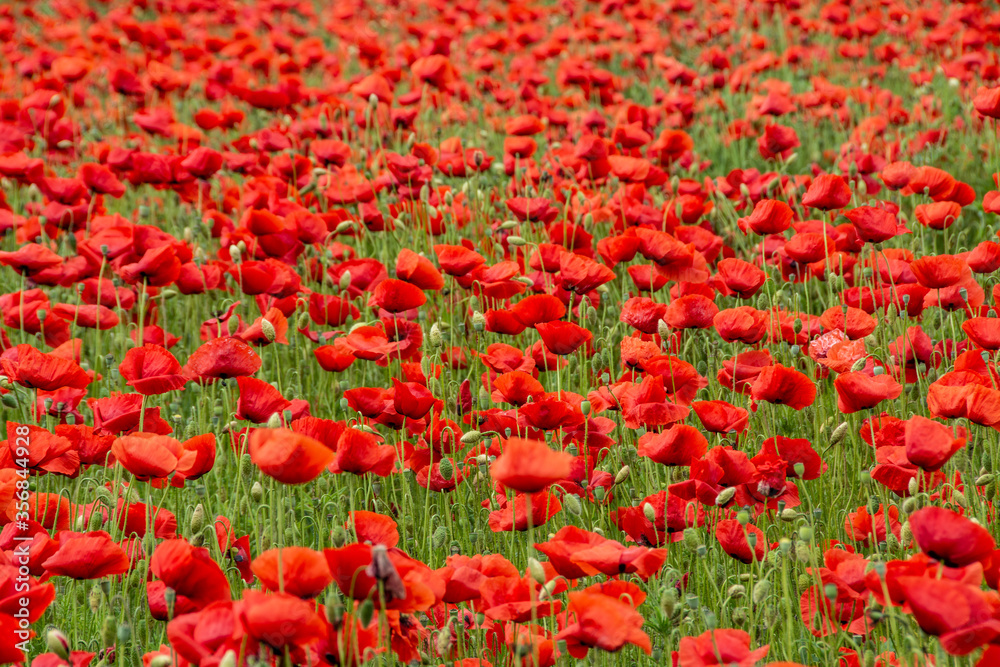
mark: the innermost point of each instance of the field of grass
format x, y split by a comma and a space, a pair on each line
491, 333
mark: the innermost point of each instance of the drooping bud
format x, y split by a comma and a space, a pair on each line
57, 643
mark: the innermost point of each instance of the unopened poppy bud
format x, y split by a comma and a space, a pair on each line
274, 421
246, 469
859, 364
471, 437
910, 505
806, 533
692, 538
906, 534
799, 468
478, 321
163, 661
197, 521
743, 517
232, 325
725, 496
268, 330
760, 591
984, 480
57, 643
257, 492
913, 486
439, 537
959, 499
585, 407
572, 504
623, 475
839, 434
536, 571
365, 612
663, 329
9, 400
94, 599
650, 513
447, 469
302, 322
437, 340
343, 227
802, 552
516, 241
235, 254
124, 633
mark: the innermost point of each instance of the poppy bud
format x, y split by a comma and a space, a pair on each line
232, 325
94, 599
650, 513
622, 475
197, 521
910, 505
471, 437
536, 571
959, 499
839, 434
57, 643
984, 480
572, 504
343, 227
438, 537
235, 254
663, 329
516, 241
9, 400
668, 601
437, 340
268, 330
257, 492
913, 486
124, 633
725, 496
365, 612
447, 469
802, 552
163, 661
743, 517
246, 469
906, 534
692, 539
478, 321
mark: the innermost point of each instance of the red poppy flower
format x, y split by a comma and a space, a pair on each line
859, 391
151, 370
769, 216
222, 358
603, 622
396, 296
528, 466
37, 370
736, 539
296, 571
287, 456
930, 444
679, 445
950, 537
783, 386
742, 278
190, 572
717, 648
360, 453
87, 556
827, 192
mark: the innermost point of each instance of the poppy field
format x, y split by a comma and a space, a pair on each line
499, 334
